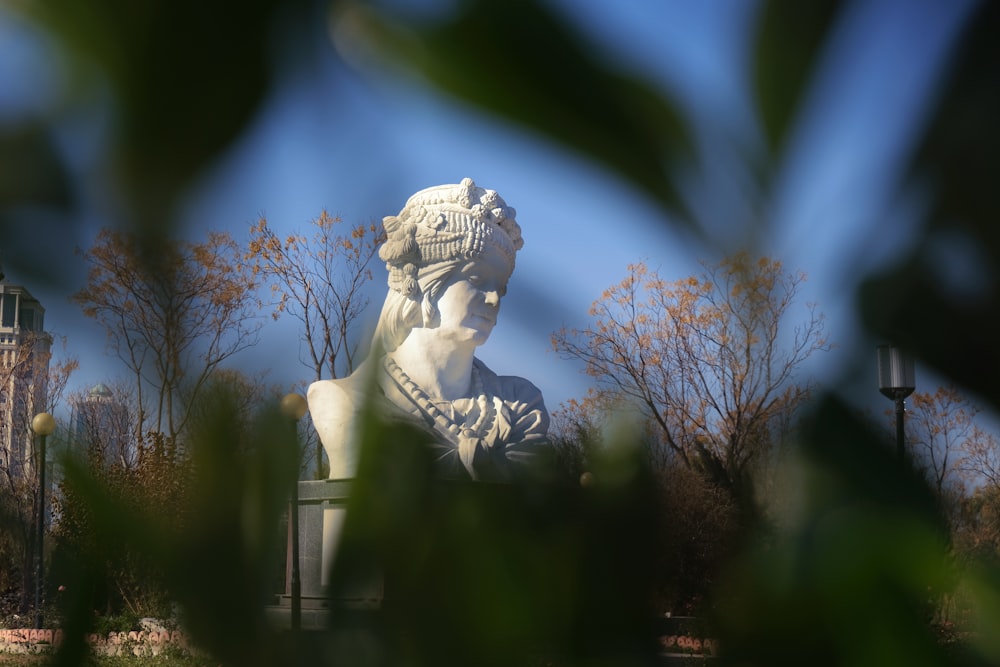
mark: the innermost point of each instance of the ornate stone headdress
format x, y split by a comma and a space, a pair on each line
446, 223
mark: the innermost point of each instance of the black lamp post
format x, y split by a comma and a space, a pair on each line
43, 424
896, 380
294, 407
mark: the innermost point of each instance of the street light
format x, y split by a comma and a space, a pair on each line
43, 424
294, 407
896, 380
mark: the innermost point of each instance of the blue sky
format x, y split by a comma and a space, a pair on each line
359, 145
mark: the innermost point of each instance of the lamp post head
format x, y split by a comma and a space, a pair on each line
43, 424
293, 406
896, 378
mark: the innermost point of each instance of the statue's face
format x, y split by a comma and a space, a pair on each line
469, 304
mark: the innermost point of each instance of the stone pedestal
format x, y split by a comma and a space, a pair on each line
322, 510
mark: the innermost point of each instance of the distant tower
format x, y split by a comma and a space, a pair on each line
102, 426
24, 371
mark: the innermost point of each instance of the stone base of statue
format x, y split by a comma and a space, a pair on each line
322, 507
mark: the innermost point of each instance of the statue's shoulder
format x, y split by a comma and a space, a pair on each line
334, 406
326, 394
347, 393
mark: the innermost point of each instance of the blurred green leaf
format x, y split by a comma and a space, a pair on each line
790, 38
186, 78
853, 576
220, 568
519, 61
496, 574
218, 559
31, 171
941, 301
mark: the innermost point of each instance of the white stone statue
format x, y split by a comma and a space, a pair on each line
449, 253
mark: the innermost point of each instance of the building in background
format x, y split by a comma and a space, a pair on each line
102, 425
25, 350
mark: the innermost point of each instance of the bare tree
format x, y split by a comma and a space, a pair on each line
980, 459
172, 316
938, 428
976, 527
319, 280
710, 360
